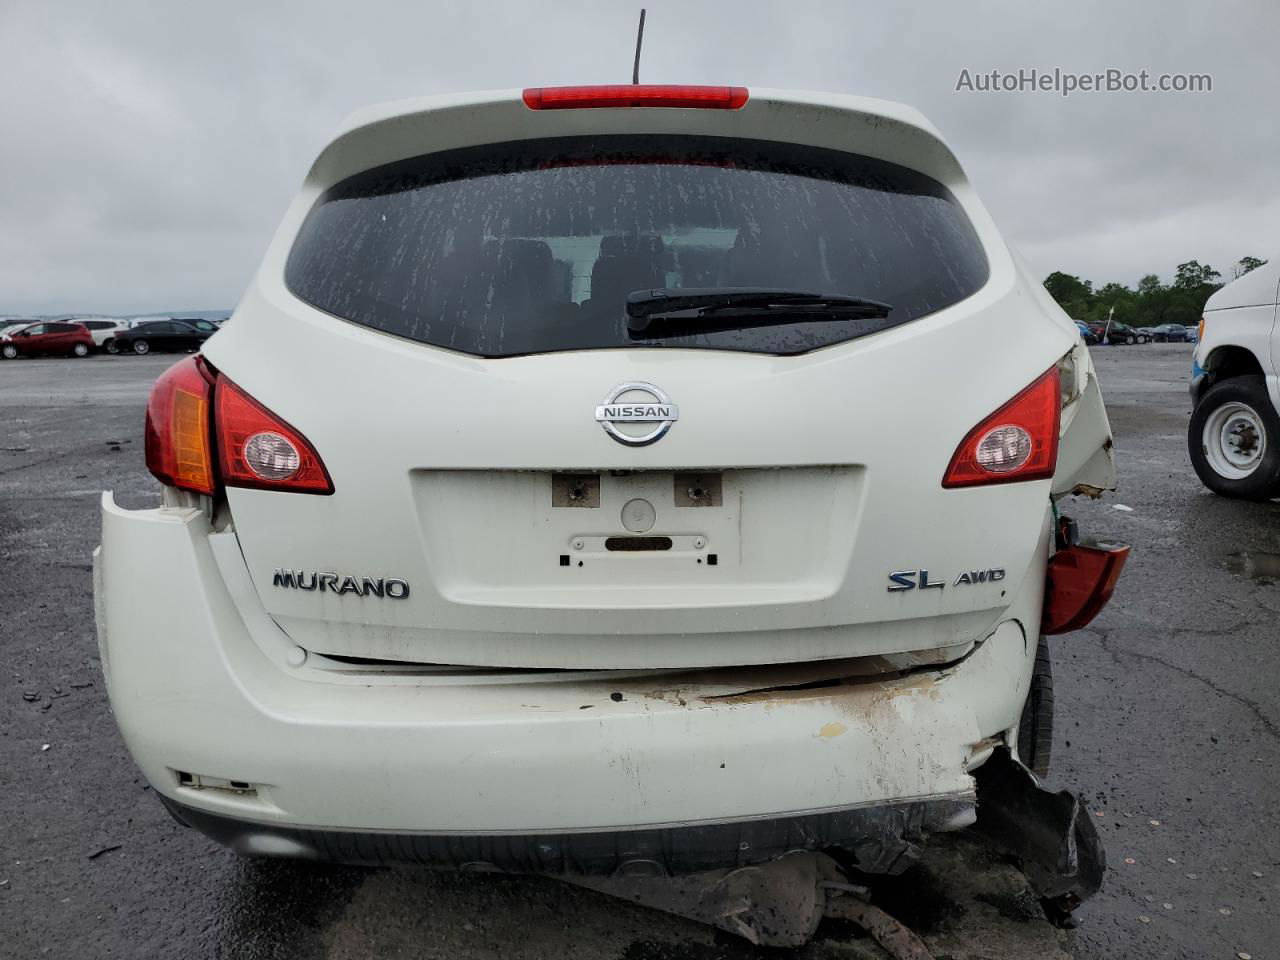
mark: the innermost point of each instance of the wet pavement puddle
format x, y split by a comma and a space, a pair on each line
1263, 568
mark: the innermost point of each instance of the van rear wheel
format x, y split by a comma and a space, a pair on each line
1035, 729
1234, 440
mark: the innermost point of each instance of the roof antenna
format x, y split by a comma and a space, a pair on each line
635, 70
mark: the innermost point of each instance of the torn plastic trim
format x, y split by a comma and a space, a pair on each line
1086, 450
1050, 833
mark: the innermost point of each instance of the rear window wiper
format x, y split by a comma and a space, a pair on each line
693, 309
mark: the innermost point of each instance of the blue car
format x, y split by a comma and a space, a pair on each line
1090, 338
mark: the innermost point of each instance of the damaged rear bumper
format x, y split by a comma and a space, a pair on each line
881, 838
553, 772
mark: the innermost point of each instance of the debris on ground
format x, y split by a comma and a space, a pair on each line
107, 849
961, 900
1047, 834
897, 941
776, 904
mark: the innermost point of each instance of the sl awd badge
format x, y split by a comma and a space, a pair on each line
637, 413
920, 579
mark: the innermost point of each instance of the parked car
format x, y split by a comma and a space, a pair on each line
517, 551
160, 335
47, 340
1193, 334
1234, 434
102, 329
1120, 333
1087, 335
1169, 333
9, 326
207, 326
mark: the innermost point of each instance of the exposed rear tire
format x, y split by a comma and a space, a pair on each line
1035, 729
80, 350
1234, 440
141, 347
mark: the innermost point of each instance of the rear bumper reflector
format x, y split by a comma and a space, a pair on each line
1079, 582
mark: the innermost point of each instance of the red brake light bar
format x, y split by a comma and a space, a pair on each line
635, 95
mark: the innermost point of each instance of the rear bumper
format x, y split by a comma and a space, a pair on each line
879, 836
554, 772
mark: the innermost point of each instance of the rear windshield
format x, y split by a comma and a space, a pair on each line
533, 246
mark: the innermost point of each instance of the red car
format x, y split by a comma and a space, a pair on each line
48, 339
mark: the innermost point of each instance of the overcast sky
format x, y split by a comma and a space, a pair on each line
149, 149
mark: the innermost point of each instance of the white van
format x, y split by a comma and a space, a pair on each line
1234, 436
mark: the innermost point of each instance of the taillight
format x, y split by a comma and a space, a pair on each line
257, 449
196, 417
1078, 583
179, 450
1200, 329
1018, 442
635, 95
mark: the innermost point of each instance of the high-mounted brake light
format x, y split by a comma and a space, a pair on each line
636, 95
179, 448
1018, 442
257, 449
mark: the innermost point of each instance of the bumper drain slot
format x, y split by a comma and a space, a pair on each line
638, 543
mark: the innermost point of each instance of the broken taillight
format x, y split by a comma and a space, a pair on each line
202, 430
635, 95
1017, 442
178, 441
1078, 583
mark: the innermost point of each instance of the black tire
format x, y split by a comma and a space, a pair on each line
140, 347
1129, 339
9, 352
1142, 338
1247, 395
1035, 729
80, 350
111, 347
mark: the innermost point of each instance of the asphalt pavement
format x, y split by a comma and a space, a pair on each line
1168, 721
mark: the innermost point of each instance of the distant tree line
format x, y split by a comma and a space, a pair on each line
1152, 303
